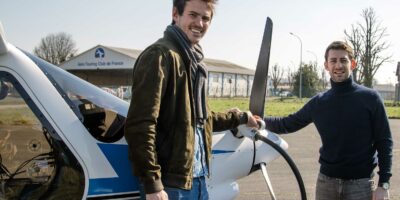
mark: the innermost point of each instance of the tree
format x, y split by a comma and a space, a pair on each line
290, 77
323, 81
310, 81
368, 43
56, 48
276, 77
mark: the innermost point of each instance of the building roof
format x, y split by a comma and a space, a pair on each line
213, 65
134, 53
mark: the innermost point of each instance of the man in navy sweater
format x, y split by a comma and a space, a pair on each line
354, 130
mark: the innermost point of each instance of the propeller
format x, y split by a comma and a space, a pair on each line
257, 105
259, 89
263, 167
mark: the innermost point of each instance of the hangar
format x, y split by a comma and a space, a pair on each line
111, 68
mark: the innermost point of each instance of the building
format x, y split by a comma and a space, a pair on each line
397, 93
111, 68
387, 91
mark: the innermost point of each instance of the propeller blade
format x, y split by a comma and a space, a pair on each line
267, 180
259, 88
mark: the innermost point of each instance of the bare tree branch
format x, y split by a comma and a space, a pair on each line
56, 48
276, 76
368, 42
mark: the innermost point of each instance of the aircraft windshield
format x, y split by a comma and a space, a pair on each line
76, 88
102, 113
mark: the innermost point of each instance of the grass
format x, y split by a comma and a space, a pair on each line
14, 111
222, 104
274, 107
282, 106
393, 112
12, 101
17, 116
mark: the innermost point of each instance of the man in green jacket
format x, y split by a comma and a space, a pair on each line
169, 124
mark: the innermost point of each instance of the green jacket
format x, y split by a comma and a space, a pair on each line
160, 123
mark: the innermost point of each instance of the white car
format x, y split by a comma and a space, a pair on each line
285, 94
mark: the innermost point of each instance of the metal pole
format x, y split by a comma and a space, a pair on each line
301, 57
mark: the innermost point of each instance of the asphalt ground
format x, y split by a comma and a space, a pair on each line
303, 148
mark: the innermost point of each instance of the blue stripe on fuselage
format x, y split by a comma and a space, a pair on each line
117, 155
221, 151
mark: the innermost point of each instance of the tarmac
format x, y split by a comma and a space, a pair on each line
303, 149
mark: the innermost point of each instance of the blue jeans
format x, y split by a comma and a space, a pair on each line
329, 188
198, 191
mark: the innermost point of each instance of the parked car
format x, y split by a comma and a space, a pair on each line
285, 94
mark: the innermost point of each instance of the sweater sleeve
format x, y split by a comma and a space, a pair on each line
293, 122
149, 83
383, 141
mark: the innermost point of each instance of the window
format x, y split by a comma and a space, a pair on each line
101, 113
215, 77
34, 164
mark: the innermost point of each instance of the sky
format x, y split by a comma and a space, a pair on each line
235, 33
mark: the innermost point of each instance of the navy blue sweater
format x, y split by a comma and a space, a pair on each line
354, 130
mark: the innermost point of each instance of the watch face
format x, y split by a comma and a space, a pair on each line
385, 186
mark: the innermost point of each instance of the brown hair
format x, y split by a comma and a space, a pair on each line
339, 45
180, 6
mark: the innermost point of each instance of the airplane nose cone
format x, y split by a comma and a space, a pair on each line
264, 152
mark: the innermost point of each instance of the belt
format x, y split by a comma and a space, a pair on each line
344, 179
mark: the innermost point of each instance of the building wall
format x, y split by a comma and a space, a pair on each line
387, 95
111, 77
92, 61
241, 85
214, 84
387, 91
219, 84
229, 84
397, 90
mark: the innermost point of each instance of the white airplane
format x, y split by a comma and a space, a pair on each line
62, 138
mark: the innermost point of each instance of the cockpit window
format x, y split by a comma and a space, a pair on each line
34, 162
102, 113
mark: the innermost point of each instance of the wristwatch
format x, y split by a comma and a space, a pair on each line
384, 185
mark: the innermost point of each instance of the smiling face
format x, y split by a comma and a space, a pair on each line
195, 19
339, 65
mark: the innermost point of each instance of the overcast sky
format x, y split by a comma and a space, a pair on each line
235, 33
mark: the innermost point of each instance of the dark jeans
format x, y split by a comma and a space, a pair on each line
329, 188
198, 191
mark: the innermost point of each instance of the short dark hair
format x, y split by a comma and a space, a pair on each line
340, 45
180, 6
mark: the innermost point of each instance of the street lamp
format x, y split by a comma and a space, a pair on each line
301, 56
